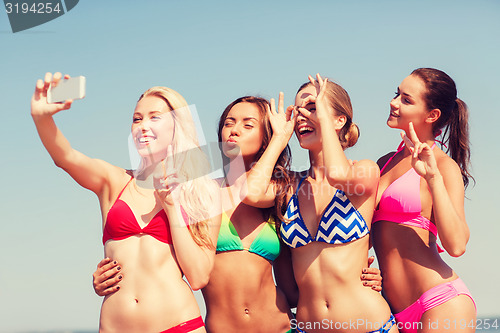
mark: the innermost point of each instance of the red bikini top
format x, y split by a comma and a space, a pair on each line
121, 223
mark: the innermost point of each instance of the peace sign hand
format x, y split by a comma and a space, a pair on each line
422, 156
282, 122
167, 185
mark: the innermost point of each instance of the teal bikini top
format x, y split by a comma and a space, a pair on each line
266, 244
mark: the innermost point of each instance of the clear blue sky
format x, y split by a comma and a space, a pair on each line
213, 52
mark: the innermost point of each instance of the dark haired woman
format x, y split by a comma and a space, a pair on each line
421, 195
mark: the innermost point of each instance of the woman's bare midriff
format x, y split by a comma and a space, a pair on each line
336, 300
410, 263
241, 296
153, 296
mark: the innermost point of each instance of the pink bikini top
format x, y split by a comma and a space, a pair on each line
400, 202
121, 223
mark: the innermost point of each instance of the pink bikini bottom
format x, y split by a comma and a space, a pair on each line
409, 319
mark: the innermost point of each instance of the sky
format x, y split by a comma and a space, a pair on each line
213, 52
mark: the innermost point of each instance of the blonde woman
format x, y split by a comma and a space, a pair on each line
159, 224
329, 211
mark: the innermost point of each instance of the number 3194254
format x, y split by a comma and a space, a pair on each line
35, 8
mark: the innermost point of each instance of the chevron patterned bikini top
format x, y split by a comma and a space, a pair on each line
341, 223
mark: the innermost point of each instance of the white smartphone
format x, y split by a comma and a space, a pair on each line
72, 88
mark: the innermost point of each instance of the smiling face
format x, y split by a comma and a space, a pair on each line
242, 131
304, 129
152, 128
339, 107
408, 104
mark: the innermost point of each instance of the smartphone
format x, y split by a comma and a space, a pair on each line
72, 88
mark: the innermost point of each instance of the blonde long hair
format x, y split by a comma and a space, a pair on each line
198, 194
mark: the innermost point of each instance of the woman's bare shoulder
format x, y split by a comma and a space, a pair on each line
447, 166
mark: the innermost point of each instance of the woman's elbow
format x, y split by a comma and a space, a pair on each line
336, 175
198, 278
332, 180
62, 161
198, 282
251, 195
359, 178
338, 180
458, 249
198, 285
250, 200
258, 201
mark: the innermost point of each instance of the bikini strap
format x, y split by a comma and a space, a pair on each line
442, 141
123, 189
300, 183
400, 148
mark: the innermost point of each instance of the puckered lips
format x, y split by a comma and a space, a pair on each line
230, 145
231, 142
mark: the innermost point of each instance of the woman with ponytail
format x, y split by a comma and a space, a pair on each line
420, 196
328, 216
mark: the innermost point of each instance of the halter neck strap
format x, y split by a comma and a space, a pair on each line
400, 148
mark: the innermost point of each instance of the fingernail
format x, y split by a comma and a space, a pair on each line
120, 277
363, 277
364, 270
114, 262
365, 283
117, 287
118, 268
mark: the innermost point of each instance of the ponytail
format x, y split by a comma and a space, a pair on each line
349, 135
458, 139
442, 94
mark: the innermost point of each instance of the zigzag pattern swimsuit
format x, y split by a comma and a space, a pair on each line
341, 223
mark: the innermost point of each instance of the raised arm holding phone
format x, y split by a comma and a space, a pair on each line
160, 225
